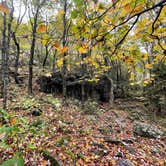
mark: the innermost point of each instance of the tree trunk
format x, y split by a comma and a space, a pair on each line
5, 53
4, 61
32, 51
46, 56
64, 55
53, 62
17, 57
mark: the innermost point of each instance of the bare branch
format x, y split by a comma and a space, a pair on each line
124, 37
158, 14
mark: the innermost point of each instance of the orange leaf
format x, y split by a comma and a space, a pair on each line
12, 121
64, 49
126, 59
42, 28
44, 163
127, 7
4, 9
56, 45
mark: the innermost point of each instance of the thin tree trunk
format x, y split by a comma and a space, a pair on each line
53, 62
46, 56
4, 78
83, 69
64, 55
5, 53
17, 58
32, 51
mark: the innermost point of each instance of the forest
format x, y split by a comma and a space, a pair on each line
83, 82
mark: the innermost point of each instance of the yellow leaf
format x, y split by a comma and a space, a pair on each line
138, 8
98, 57
123, 12
48, 74
140, 70
107, 19
45, 41
60, 63
132, 84
131, 76
82, 50
145, 83
148, 66
4, 9
77, 63
41, 28
61, 12
158, 58
144, 57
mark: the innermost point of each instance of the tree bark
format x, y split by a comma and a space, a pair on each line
5, 52
32, 51
64, 55
4, 77
17, 57
53, 62
46, 56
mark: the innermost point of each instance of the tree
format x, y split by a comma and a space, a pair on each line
7, 9
36, 7
16, 39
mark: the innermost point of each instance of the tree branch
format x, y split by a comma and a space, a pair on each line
124, 37
158, 14
160, 4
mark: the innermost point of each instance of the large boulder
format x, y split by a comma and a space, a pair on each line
77, 87
146, 130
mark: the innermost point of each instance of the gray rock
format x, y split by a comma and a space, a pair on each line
92, 117
125, 162
131, 149
137, 114
146, 130
105, 129
155, 150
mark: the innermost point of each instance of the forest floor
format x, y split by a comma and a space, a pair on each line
72, 136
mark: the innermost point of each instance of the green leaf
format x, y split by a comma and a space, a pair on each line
31, 146
79, 3
3, 112
74, 14
140, 70
15, 161
5, 129
4, 145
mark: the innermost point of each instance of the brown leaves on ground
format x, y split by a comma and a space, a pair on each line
75, 138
